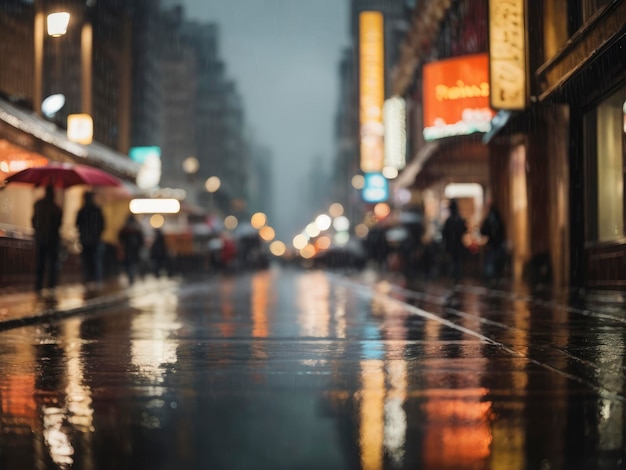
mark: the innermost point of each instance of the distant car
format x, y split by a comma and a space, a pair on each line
351, 256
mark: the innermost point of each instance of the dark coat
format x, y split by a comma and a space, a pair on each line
453, 231
132, 240
90, 223
46, 220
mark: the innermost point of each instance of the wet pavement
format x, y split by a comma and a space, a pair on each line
312, 370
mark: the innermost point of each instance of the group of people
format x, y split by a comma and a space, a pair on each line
492, 229
421, 250
90, 223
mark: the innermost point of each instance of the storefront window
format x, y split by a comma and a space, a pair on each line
607, 160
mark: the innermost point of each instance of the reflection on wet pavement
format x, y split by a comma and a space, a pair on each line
286, 369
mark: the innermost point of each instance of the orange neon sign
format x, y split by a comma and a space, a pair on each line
372, 90
456, 97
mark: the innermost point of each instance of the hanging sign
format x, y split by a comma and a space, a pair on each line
507, 54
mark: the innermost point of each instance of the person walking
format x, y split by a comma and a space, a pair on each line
452, 233
493, 229
158, 253
90, 224
132, 241
46, 221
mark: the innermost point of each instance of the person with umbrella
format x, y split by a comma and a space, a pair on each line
46, 220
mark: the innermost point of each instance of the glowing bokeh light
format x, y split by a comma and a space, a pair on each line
191, 165
390, 172
323, 243
382, 210
341, 238
278, 248
231, 222
361, 230
258, 220
323, 222
312, 230
335, 209
212, 184
358, 181
267, 233
341, 223
299, 241
157, 221
308, 251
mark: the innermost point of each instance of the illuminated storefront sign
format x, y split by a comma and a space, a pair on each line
395, 132
507, 53
80, 128
375, 188
372, 90
456, 97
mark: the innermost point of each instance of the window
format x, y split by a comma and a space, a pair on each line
605, 131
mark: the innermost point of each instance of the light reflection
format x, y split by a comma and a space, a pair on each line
227, 325
75, 408
153, 349
313, 293
340, 311
371, 423
58, 442
261, 282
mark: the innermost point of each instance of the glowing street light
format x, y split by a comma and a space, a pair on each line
57, 23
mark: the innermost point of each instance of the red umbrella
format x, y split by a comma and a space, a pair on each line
63, 175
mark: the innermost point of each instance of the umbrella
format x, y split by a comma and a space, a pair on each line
63, 175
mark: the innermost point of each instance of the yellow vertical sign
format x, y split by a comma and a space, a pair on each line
372, 90
507, 54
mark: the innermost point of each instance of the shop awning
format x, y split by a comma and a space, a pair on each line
34, 134
497, 124
407, 177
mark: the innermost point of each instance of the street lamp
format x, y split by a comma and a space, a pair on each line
57, 23
57, 26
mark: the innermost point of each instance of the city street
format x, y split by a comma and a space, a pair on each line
291, 369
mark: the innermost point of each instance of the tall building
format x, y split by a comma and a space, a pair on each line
347, 132
260, 182
178, 72
146, 99
220, 139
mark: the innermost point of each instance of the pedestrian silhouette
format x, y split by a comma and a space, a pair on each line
494, 252
46, 221
452, 233
132, 241
90, 223
158, 253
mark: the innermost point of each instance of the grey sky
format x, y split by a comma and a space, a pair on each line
284, 57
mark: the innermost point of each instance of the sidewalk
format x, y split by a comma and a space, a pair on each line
20, 308
439, 291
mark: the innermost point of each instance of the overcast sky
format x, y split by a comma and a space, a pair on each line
284, 56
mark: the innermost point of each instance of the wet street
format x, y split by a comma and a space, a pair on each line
287, 369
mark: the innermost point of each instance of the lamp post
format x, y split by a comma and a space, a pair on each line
56, 24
